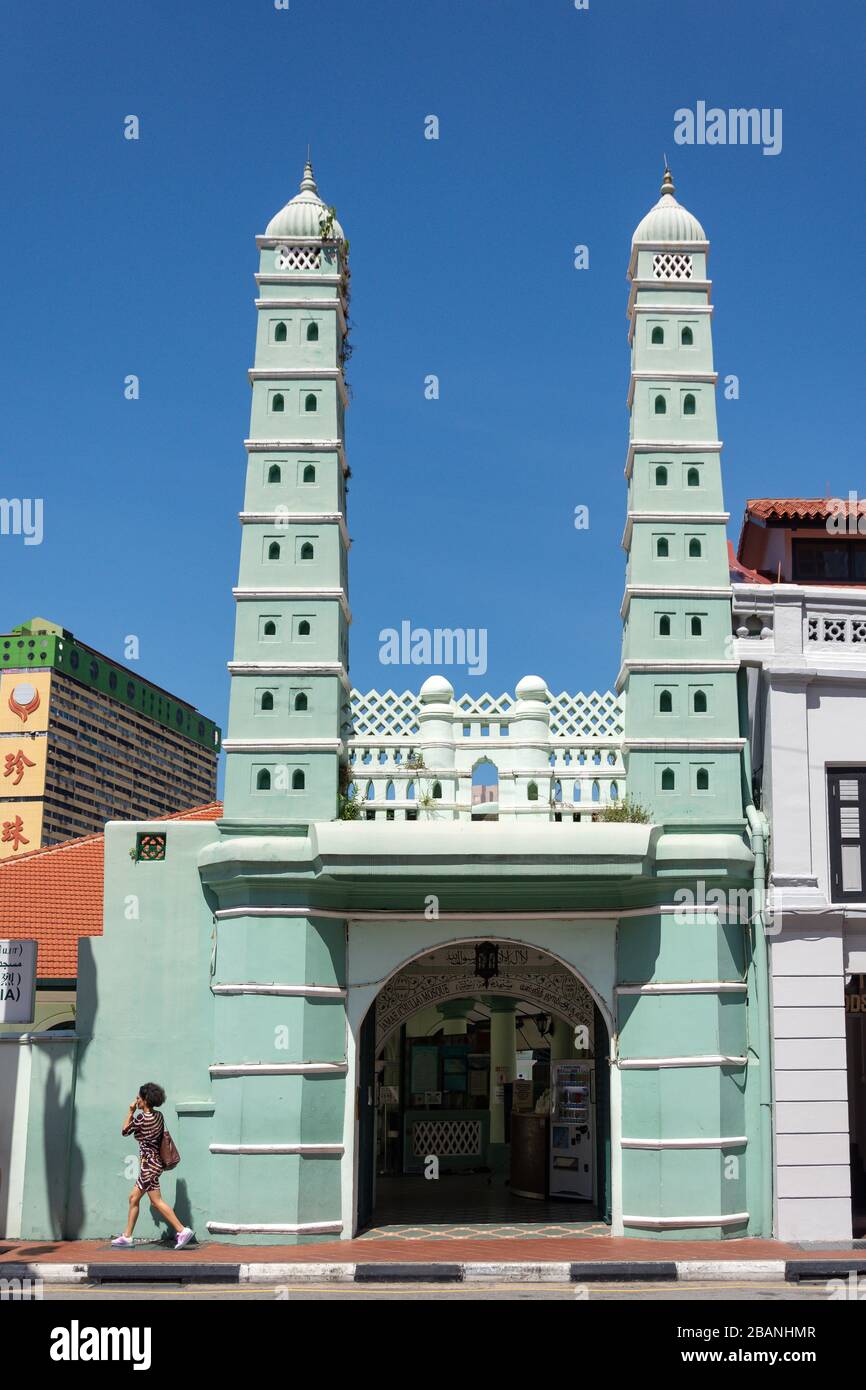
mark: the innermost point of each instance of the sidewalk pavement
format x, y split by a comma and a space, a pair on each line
519, 1259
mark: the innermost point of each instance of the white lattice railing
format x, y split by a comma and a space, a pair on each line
836, 628
396, 777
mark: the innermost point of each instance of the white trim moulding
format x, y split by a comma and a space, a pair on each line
293, 991
278, 1068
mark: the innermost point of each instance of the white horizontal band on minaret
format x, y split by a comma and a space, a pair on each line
670, 668
278, 1068
686, 377
686, 745
283, 745
334, 374
663, 591
296, 277
272, 593
722, 1141
686, 987
264, 240
297, 446
687, 310
290, 668
674, 518
325, 304
672, 1223
669, 446
297, 519
715, 1059
292, 991
312, 1150
704, 286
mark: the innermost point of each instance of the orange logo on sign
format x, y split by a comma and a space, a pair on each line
24, 700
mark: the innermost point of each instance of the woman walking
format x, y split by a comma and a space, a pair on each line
148, 1127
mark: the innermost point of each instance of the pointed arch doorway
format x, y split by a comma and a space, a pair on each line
456, 1072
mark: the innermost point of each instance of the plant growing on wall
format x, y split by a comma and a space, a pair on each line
349, 807
626, 810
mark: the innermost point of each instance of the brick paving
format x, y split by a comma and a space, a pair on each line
508, 1249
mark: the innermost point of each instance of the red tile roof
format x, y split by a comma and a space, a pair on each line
55, 895
802, 508
740, 573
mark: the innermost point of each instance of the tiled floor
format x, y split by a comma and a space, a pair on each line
469, 1207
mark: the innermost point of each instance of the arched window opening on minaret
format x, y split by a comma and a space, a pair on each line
658, 335
310, 473
614, 791
664, 625
311, 403
663, 549
274, 550
596, 791
275, 474
370, 793
532, 792
437, 791
668, 780
301, 702
694, 548
304, 628
299, 781
689, 404
660, 407
278, 402
557, 791
269, 629
696, 625
699, 703
693, 478
390, 794
687, 337
267, 700
280, 333
703, 780
312, 332
666, 702
661, 476
263, 781
307, 552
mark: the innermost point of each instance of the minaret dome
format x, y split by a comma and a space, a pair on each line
302, 216
668, 220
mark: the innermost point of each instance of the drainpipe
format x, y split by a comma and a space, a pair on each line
759, 838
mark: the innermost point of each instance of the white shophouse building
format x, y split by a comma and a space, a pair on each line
799, 606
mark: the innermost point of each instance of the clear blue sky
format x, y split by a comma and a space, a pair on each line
122, 257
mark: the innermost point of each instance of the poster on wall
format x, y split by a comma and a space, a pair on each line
17, 981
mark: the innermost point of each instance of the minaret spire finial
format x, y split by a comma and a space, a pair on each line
668, 181
308, 182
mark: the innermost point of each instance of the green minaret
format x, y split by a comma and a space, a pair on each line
682, 744
290, 688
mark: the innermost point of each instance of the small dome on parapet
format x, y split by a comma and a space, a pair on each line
532, 688
436, 688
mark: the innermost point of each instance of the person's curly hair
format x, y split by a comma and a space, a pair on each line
152, 1094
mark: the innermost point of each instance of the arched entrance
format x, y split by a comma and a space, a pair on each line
483, 1093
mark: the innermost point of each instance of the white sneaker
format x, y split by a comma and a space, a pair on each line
184, 1237
123, 1240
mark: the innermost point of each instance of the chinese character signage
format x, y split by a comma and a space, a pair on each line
20, 826
17, 981
22, 767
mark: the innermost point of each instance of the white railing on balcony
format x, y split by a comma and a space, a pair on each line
570, 771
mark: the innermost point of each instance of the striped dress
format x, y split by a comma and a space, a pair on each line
148, 1130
